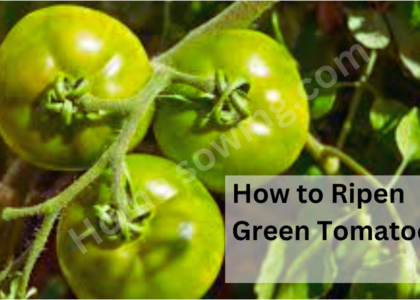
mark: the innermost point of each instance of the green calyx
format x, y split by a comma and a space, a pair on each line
232, 103
125, 224
229, 102
64, 98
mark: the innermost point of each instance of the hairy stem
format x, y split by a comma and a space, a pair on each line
204, 84
61, 200
36, 248
240, 14
90, 103
118, 188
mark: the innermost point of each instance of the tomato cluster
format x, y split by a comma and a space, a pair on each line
169, 237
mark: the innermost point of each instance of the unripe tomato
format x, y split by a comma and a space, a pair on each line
49, 60
256, 119
177, 253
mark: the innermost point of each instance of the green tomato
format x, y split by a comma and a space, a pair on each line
255, 121
177, 254
48, 61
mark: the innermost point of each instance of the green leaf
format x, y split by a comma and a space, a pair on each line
330, 266
385, 114
368, 28
322, 105
415, 14
293, 291
379, 264
407, 136
404, 23
271, 269
349, 255
412, 64
325, 98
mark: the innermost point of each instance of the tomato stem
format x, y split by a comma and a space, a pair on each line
118, 186
345, 130
320, 151
90, 103
36, 248
206, 85
240, 14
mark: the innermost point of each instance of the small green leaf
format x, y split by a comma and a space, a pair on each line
415, 14
407, 136
368, 28
410, 57
385, 114
322, 105
404, 20
271, 270
324, 101
293, 291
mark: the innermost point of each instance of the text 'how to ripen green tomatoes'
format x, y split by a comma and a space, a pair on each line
256, 120
49, 60
175, 251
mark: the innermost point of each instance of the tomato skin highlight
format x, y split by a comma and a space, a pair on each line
178, 255
266, 148
80, 43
